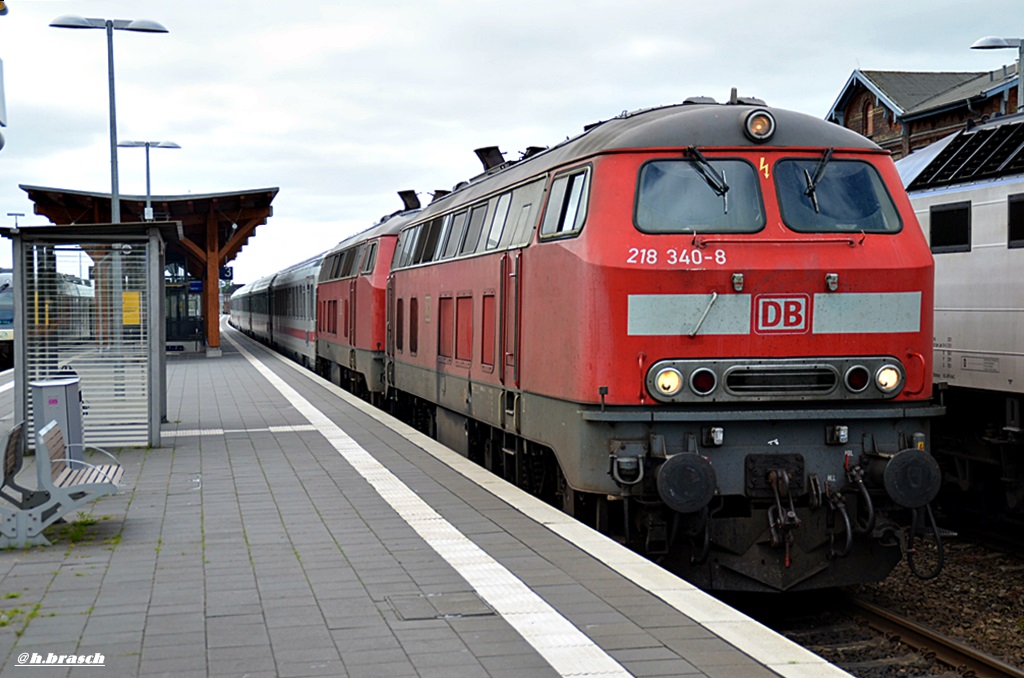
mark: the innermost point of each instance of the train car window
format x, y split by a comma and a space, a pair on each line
458, 229
839, 196
1015, 221
498, 221
678, 196
371, 259
476, 225
949, 227
567, 204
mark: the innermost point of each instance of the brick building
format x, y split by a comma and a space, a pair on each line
904, 111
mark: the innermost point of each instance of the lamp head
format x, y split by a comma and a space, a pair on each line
993, 42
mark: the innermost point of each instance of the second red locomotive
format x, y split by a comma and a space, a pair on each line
706, 328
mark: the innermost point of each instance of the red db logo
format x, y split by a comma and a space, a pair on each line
782, 314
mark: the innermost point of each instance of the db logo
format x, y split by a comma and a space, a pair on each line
782, 314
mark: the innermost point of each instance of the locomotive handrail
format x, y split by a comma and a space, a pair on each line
702, 241
924, 368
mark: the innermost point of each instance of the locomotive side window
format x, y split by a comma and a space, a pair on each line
824, 195
455, 236
427, 247
1015, 221
476, 225
567, 204
950, 227
498, 221
679, 195
519, 227
371, 259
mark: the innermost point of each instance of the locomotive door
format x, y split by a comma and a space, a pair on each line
511, 307
389, 338
351, 319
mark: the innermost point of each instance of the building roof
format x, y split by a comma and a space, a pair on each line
912, 93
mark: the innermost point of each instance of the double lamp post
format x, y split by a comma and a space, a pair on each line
111, 25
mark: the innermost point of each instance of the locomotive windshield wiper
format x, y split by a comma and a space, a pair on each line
819, 171
710, 175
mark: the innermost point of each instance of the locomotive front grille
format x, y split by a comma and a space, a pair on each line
764, 380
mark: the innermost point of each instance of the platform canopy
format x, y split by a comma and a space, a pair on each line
215, 227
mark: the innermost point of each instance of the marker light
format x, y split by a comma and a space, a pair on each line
857, 378
669, 381
703, 381
887, 378
759, 126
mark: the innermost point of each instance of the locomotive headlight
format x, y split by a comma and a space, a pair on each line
668, 381
888, 378
759, 126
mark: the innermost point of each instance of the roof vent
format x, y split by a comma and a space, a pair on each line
438, 194
490, 156
409, 199
700, 100
532, 151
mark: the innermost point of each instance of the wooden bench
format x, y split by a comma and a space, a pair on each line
63, 486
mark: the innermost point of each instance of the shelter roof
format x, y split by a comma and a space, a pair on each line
234, 214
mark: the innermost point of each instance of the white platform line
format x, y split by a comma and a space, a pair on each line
194, 432
569, 651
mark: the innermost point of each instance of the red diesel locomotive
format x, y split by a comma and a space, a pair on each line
705, 328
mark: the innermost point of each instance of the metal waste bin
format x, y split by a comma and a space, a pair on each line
60, 400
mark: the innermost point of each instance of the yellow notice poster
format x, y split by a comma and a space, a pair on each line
131, 308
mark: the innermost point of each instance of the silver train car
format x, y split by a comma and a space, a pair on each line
968, 193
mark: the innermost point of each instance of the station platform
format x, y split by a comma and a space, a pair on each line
286, 528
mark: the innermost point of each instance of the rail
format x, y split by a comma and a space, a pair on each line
965, 659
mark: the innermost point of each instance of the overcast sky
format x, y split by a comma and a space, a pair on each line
342, 103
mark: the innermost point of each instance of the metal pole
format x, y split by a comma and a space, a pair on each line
149, 206
115, 195
1020, 79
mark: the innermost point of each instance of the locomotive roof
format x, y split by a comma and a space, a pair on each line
677, 126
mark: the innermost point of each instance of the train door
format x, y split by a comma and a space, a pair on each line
389, 338
352, 311
511, 307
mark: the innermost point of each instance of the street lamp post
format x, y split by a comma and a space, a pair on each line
993, 42
111, 25
148, 214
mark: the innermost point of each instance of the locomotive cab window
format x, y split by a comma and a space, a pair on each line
950, 227
825, 195
695, 195
567, 204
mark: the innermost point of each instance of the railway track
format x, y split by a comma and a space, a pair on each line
964, 659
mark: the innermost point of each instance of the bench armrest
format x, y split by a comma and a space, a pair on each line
92, 448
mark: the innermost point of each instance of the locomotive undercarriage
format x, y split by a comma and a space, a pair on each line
796, 503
